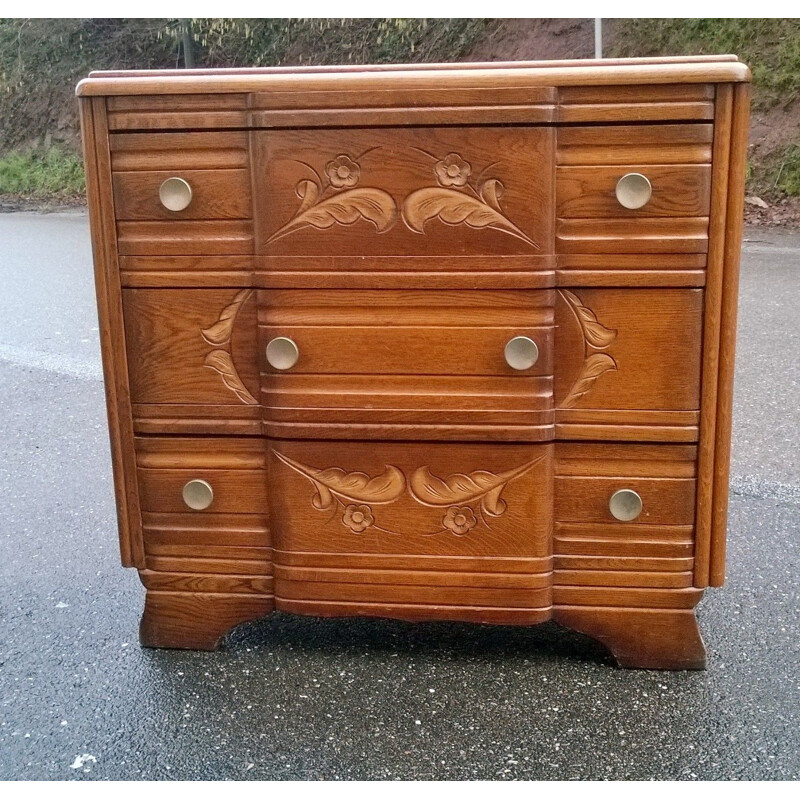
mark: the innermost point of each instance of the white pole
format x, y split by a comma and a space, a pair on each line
598, 37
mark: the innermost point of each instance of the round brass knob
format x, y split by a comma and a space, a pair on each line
282, 353
625, 505
521, 352
633, 190
175, 194
198, 494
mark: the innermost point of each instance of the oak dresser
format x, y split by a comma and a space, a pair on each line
451, 342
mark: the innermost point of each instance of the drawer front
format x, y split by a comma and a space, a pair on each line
408, 364
233, 468
641, 560
214, 169
417, 192
680, 190
192, 360
670, 217
627, 363
408, 333
457, 531
223, 546
215, 194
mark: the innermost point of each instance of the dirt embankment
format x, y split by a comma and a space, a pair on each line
545, 39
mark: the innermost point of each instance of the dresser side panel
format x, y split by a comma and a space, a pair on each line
730, 297
112, 337
711, 331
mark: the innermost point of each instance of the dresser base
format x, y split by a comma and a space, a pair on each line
637, 638
197, 621
657, 638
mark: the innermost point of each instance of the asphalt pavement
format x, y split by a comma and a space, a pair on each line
304, 698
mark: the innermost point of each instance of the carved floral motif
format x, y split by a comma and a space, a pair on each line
595, 337
335, 200
220, 359
469, 498
459, 520
452, 170
457, 201
350, 491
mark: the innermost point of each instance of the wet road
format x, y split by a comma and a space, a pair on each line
293, 697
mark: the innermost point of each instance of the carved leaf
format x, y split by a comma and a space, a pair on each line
593, 368
353, 486
487, 487
594, 332
343, 208
221, 362
456, 208
491, 191
220, 332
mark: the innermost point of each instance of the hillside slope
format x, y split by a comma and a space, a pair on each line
41, 60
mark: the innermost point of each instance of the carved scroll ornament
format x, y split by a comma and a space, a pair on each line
468, 498
457, 199
219, 337
596, 337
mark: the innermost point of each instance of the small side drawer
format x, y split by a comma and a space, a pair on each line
234, 469
211, 194
589, 475
677, 190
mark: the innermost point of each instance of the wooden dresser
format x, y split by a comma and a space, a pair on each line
440, 343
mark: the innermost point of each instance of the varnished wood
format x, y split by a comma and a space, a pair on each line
112, 340
401, 224
711, 332
615, 73
730, 295
648, 639
634, 144
216, 194
588, 192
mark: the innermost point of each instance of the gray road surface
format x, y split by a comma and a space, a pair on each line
293, 697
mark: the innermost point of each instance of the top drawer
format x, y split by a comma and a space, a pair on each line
205, 205
633, 189
402, 192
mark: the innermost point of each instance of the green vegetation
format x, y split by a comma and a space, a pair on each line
42, 175
770, 46
779, 172
41, 60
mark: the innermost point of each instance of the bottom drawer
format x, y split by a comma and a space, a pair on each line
454, 531
624, 524
485, 532
204, 514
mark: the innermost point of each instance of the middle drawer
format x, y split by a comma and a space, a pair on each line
421, 365
398, 364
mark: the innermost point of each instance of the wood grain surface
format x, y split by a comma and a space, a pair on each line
401, 224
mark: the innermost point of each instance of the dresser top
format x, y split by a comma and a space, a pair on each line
518, 74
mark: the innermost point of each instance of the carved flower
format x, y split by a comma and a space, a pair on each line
358, 518
452, 170
459, 520
342, 172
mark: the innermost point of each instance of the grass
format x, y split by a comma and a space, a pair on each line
778, 173
42, 175
771, 48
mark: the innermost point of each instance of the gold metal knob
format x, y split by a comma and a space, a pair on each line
521, 352
625, 505
282, 353
198, 494
633, 190
175, 194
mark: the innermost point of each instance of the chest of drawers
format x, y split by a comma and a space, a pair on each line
443, 343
